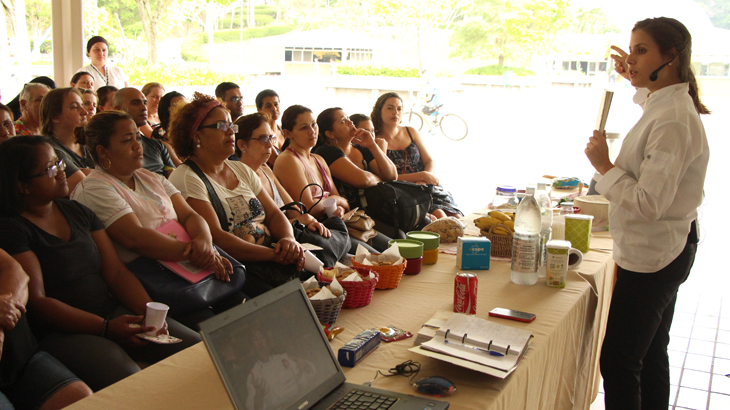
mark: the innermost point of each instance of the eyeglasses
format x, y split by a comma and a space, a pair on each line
265, 139
223, 126
51, 171
235, 100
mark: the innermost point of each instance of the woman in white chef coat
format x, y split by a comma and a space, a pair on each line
654, 189
97, 49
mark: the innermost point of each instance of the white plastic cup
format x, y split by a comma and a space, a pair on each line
311, 262
156, 314
330, 206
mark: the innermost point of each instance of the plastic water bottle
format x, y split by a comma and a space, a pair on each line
526, 242
546, 231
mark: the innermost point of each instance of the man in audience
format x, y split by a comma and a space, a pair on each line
156, 156
230, 95
106, 97
30, 108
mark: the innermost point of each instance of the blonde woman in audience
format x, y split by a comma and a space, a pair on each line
153, 92
249, 221
62, 111
82, 298
30, 107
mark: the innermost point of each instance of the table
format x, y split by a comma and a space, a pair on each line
559, 371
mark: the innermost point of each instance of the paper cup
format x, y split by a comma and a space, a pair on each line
311, 262
578, 231
330, 206
155, 316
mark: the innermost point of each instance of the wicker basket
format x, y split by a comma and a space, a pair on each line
358, 293
389, 276
501, 244
327, 310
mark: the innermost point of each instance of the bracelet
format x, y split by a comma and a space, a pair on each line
105, 328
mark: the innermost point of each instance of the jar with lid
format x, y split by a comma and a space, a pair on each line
506, 198
566, 208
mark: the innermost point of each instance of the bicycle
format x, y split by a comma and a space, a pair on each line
452, 126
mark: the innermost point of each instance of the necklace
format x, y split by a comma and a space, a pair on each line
106, 73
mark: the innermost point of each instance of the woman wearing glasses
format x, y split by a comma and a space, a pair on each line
82, 299
254, 146
133, 202
242, 217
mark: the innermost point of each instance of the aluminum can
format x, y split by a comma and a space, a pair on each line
465, 293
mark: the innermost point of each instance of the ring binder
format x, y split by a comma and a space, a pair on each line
463, 338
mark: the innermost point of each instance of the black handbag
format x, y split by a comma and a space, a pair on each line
181, 296
401, 204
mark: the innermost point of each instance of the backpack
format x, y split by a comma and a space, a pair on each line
401, 204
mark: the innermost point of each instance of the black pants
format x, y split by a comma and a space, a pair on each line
634, 360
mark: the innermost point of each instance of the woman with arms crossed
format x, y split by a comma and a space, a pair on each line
654, 189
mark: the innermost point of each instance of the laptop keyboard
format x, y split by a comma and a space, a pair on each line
361, 400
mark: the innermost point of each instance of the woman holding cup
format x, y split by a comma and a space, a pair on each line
654, 188
82, 299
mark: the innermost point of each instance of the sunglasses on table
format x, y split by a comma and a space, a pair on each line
51, 171
223, 126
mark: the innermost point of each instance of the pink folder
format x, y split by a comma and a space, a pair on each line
185, 269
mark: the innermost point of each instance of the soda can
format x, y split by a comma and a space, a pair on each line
465, 293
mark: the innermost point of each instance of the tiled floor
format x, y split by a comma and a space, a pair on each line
699, 353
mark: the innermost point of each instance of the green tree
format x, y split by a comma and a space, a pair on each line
718, 10
38, 16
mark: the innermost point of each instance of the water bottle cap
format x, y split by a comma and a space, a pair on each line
566, 204
530, 190
506, 188
541, 186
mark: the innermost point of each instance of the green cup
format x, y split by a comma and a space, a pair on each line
408, 248
578, 231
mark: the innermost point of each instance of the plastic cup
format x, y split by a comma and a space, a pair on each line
311, 262
156, 314
578, 231
330, 206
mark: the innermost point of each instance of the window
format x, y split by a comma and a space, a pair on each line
566, 65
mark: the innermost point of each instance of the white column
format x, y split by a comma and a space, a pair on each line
68, 40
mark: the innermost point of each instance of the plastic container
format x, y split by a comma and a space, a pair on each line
566, 208
506, 198
430, 242
412, 251
414, 266
546, 221
526, 241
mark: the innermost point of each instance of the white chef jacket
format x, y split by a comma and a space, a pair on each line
117, 77
657, 182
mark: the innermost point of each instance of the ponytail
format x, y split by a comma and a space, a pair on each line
694, 92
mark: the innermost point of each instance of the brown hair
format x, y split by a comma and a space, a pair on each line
378, 109
100, 128
147, 88
289, 120
6, 108
246, 125
52, 107
182, 119
673, 38
325, 122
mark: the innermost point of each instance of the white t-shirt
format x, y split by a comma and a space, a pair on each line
117, 77
657, 182
109, 206
243, 210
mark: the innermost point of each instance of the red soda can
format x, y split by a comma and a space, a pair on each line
465, 293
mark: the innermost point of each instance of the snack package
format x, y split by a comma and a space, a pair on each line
332, 331
393, 334
391, 256
449, 228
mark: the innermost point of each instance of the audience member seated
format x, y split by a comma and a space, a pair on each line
29, 378
156, 157
407, 150
62, 112
267, 102
82, 299
7, 128
97, 49
253, 147
230, 95
30, 107
14, 104
90, 102
82, 79
133, 202
355, 158
167, 102
152, 92
249, 221
297, 167
364, 122
106, 97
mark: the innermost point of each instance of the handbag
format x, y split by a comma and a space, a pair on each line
401, 204
181, 296
361, 227
442, 199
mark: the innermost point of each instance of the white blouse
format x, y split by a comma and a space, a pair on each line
117, 77
657, 182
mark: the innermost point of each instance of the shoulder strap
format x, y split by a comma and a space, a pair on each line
409, 134
214, 200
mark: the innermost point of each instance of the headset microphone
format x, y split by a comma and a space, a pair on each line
653, 76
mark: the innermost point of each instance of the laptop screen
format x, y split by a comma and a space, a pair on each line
272, 355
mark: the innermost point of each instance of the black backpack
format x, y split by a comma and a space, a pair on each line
401, 204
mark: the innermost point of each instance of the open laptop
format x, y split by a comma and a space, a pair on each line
271, 353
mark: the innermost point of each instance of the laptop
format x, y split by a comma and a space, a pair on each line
271, 353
